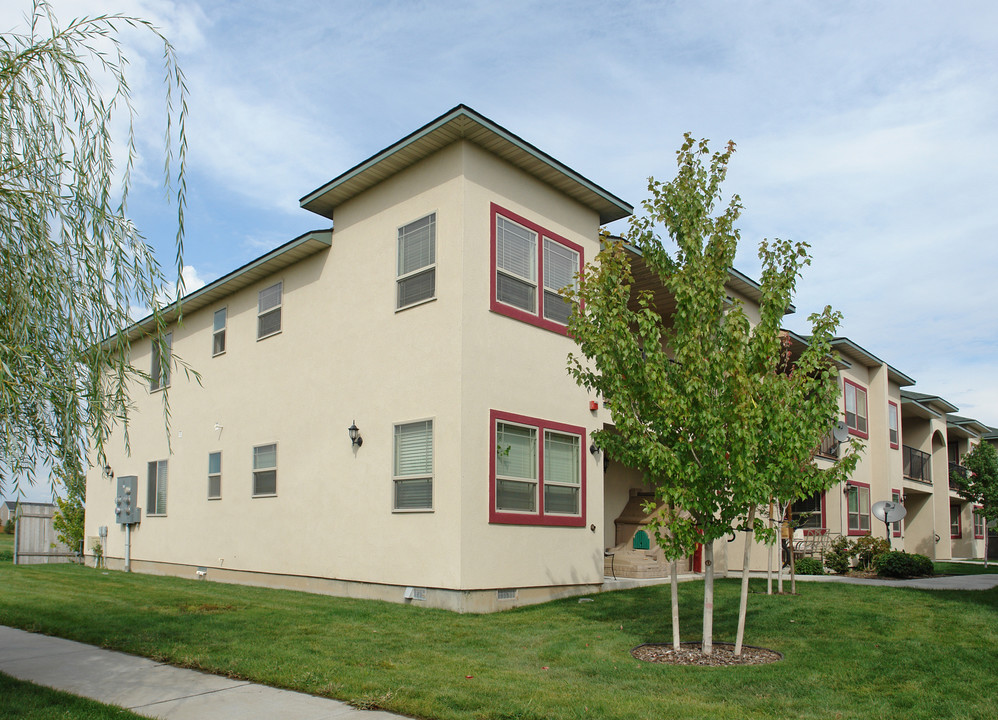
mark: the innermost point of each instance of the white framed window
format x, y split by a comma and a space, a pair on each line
265, 470
896, 497
893, 425
560, 265
218, 331
416, 262
516, 265
159, 372
268, 319
412, 474
955, 522
215, 476
156, 488
980, 523
538, 475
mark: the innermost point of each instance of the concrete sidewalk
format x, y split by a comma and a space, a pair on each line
156, 690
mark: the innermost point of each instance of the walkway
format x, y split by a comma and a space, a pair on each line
156, 690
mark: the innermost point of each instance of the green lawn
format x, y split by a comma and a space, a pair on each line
963, 568
850, 651
32, 702
6, 542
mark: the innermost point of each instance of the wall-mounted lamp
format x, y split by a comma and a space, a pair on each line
594, 450
355, 437
108, 472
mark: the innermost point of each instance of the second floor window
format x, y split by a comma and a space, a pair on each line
894, 427
855, 408
218, 331
530, 267
156, 488
162, 356
269, 311
417, 257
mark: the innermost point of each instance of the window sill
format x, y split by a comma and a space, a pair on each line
161, 388
859, 434
410, 511
268, 495
415, 304
215, 498
215, 355
264, 337
155, 515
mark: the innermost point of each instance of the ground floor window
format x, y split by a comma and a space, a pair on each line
896, 527
809, 513
537, 474
413, 466
265, 470
980, 524
858, 508
156, 488
955, 525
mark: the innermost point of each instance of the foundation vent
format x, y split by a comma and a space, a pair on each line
415, 593
507, 594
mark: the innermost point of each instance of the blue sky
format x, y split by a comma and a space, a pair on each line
869, 130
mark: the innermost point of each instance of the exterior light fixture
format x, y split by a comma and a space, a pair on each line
594, 450
355, 437
108, 472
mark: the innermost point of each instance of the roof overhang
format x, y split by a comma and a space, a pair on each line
966, 427
932, 404
287, 254
864, 357
463, 123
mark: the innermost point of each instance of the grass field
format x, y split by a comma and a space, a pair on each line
850, 651
25, 701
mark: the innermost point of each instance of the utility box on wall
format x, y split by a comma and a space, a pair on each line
126, 510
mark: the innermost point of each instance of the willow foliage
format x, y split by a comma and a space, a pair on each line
71, 261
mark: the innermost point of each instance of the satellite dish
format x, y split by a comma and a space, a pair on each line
889, 512
840, 432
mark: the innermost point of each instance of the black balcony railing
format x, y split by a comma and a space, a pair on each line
956, 470
917, 465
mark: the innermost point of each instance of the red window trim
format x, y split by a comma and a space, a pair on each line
984, 522
897, 411
959, 523
533, 318
869, 516
896, 493
866, 395
539, 518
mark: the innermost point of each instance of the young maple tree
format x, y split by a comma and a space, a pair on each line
704, 400
980, 485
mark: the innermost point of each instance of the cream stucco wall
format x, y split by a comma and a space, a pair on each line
346, 355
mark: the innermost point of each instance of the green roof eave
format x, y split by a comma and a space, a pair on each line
277, 259
463, 123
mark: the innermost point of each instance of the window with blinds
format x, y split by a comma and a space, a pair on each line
268, 317
156, 488
531, 267
413, 466
538, 472
855, 401
417, 257
265, 470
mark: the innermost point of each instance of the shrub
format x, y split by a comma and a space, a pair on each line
899, 564
868, 548
9, 527
839, 557
6, 556
809, 566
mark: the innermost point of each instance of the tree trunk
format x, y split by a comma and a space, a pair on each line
793, 566
743, 602
708, 598
675, 604
769, 559
985, 543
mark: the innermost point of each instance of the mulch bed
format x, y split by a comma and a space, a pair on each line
689, 653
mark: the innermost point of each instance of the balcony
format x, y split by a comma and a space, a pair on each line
829, 448
917, 465
957, 470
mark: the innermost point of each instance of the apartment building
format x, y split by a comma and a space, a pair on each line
384, 410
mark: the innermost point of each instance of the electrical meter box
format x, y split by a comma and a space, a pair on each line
126, 510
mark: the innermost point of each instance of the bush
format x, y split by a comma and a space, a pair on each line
6, 556
899, 564
839, 558
809, 566
9, 527
868, 548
